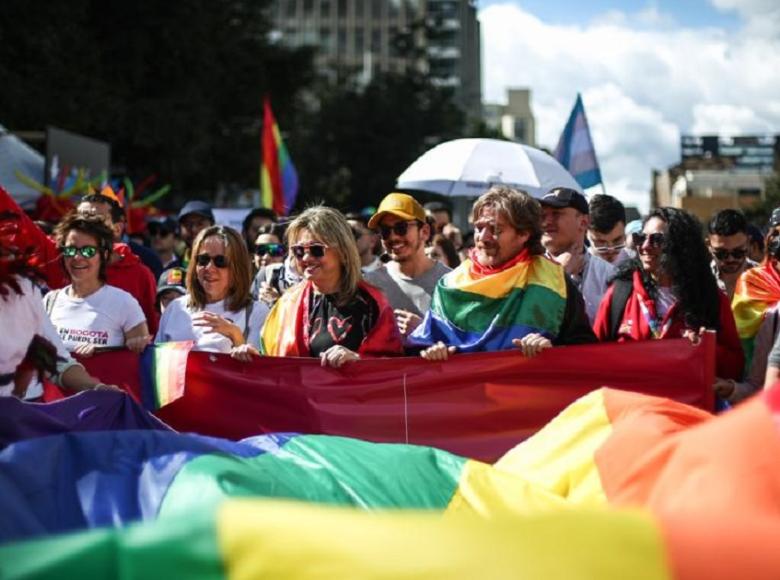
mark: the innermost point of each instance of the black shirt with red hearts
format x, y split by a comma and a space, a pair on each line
344, 325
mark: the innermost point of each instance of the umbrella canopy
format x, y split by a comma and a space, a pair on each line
468, 167
18, 156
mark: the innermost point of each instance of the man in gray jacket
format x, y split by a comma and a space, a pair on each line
409, 278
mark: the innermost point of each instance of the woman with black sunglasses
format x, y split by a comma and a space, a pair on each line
89, 314
670, 291
218, 311
332, 314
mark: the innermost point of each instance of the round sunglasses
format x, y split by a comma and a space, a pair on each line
85, 251
204, 260
273, 250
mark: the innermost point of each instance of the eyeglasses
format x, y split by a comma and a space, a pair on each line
656, 240
204, 260
315, 250
85, 251
273, 250
607, 248
723, 254
399, 228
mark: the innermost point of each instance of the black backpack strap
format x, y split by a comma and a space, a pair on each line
620, 293
248, 315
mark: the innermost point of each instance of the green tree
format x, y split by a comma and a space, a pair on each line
175, 87
353, 147
760, 212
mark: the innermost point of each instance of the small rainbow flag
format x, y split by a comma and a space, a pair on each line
278, 177
163, 368
757, 290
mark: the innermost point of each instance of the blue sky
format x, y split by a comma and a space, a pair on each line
648, 73
689, 13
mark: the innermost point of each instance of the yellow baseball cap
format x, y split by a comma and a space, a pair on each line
398, 204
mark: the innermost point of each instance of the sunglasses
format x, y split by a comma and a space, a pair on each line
723, 254
273, 250
159, 232
85, 251
315, 251
399, 228
655, 240
606, 249
204, 260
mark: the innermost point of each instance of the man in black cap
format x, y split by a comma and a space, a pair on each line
162, 235
194, 217
565, 221
170, 286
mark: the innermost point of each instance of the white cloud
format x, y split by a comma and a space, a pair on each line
644, 80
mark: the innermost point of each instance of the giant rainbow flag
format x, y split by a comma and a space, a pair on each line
618, 485
278, 177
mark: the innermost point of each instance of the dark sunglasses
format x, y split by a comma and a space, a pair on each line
315, 251
161, 232
723, 254
219, 260
85, 251
273, 250
655, 240
399, 228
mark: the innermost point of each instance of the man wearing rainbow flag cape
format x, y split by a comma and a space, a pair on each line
507, 294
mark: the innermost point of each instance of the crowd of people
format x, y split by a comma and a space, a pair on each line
402, 279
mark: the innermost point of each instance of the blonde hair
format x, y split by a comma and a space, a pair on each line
331, 228
240, 282
522, 211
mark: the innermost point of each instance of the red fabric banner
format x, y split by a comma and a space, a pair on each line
476, 405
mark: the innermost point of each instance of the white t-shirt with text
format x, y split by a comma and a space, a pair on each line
101, 319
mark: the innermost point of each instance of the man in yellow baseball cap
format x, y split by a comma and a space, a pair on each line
409, 278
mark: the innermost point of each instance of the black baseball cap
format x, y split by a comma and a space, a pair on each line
196, 207
172, 279
164, 224
566, 197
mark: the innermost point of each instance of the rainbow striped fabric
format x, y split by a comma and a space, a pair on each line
278, 177
618, 485
485, 312
163, 372
757, 290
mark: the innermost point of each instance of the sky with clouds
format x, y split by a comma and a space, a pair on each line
647, 72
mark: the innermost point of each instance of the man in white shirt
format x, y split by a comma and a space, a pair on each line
409, 278
565, 221
607, 229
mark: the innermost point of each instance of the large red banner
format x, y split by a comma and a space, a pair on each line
476, 405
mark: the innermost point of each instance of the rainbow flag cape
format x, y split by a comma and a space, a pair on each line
485, 312
757, 290
285, 331
656, 481
163, 372
278, 177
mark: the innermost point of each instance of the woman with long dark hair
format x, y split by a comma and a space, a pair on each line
669, 291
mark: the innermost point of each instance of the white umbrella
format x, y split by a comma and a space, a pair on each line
468, 167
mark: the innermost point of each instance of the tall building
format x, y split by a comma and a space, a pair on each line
715, 173
362, 37
515, 120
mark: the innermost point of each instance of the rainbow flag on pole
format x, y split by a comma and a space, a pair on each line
278, 177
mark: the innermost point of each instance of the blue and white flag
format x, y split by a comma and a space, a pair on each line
575, 149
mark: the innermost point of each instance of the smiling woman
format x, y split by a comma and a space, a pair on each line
332, 314
89, 314
218, 312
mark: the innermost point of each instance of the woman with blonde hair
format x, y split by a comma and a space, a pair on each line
332, 314
218, 311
